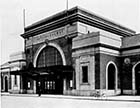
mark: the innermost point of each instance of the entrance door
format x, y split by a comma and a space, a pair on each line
49, 87
6, 84
137, 70
59, 85
50, 84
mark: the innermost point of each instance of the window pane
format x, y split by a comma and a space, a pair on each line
15, 80
49, 57
84, 74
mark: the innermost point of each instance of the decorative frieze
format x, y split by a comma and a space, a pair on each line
46, 36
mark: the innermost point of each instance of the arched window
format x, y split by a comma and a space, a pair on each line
49, 56
111, 76
1, 82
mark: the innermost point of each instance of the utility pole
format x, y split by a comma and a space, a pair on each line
24, 19
67, 4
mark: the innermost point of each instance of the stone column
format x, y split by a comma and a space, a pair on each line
34, 86
21, 84
64, 85
77, 73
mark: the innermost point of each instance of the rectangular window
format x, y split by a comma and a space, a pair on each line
85, 74
15, 80
10, 82
71, 83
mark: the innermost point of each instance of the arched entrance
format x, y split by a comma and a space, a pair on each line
51, 81
111, 76
53, 45
6, 84
49, 56
1, 82
137, 78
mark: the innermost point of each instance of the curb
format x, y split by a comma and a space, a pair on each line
71, 97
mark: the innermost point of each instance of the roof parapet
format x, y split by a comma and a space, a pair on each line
82, 15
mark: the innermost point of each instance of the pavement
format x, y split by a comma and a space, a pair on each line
126, 98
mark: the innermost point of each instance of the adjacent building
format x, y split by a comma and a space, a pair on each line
9, 82
76, 52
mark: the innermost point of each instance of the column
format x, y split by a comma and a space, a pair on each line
34, 86
64, 85
21, 84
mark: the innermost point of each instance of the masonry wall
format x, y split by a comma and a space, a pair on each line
97, 71
104, 60
64, 43
127, 70
82, 88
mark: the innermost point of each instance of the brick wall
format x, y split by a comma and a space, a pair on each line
104, 60
127, 71
64, 43
97, 71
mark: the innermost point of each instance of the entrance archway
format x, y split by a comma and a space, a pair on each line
49, 56
111, 76
1, 82
136, 78
53, 45
6, 84
51, 82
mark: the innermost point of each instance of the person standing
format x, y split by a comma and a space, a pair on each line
39, 89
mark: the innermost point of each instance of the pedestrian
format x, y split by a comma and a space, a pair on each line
39, 89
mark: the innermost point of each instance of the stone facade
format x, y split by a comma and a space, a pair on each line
96, 55
88, 43
11, 82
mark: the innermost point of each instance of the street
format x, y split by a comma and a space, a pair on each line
49, 102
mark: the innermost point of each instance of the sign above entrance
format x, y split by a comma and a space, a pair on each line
57, 33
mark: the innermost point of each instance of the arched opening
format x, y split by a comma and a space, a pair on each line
49, 56
137, 78
6, 84
52, 45
111, 76
1, 82
51, 82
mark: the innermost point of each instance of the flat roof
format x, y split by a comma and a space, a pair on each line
81, 13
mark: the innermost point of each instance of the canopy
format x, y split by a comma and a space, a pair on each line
51, 70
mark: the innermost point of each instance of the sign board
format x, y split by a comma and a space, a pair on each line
54, 34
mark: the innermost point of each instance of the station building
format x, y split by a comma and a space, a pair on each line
11, 82
76, 52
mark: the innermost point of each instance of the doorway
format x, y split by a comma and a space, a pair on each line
50, 84
137, 78
6, 84
111, 76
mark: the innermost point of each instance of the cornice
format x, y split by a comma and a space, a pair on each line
130, 48
104, 26
20, 60
52, 18
50, 26
72, 15
97, 45
104, 20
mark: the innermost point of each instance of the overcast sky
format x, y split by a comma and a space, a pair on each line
124, 12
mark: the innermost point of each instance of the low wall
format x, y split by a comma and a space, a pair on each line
92, 92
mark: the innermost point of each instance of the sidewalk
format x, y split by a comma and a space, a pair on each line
107, 98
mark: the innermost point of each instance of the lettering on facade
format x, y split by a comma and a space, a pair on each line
46, 36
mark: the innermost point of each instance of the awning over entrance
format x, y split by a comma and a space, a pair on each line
51, 70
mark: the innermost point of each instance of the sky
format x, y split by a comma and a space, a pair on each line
124, 12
